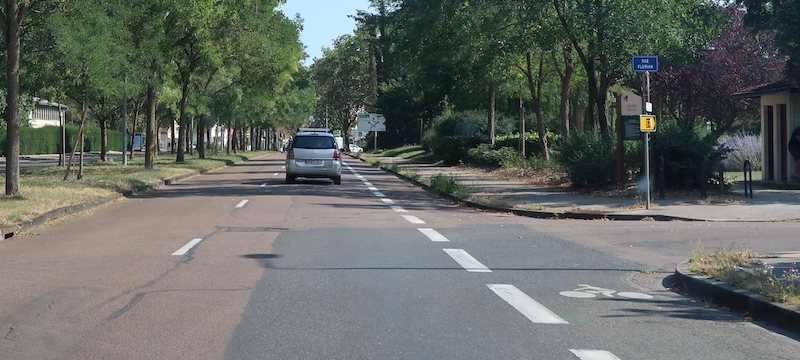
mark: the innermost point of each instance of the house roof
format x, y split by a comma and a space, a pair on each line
778, 87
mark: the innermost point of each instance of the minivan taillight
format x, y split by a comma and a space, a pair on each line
336, 155
290, 154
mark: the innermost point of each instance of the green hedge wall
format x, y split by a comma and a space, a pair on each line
46, 140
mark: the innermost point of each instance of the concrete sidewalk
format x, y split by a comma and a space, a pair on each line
771, 202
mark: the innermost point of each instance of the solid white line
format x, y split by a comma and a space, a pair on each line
433, 235
594, 354
241, 204
532, 310
367, 183
378, 194
388, 201
359, 177
398, 208
466, 260
413, 219
264, 185
372, 188
187, 247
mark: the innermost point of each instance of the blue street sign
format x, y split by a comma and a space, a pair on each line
645, 63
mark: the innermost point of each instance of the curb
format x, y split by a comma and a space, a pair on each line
538, 214
743, 301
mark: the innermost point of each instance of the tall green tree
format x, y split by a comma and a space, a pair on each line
780, 16
13, 17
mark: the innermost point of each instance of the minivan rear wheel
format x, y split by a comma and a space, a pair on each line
337, 180
289, 179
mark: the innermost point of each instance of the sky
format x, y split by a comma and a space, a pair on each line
323, 21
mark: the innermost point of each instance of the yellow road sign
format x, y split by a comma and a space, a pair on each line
647, 123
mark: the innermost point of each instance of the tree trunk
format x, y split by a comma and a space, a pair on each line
182, 126
521, 113
535, 87
580, 110
201, 141
491, 115
12, 29
151, 139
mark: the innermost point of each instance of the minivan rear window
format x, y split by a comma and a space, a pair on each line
314, 142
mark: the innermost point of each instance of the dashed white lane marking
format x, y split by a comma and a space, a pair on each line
264, 185
433, 235
241, 204
398, 209
413, 219
388, 201
466, 260
275, 174
367, 183
372, 188
379, 194
594, 354
187, 247
532, 310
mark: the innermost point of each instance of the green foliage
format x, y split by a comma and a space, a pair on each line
589, 159
532, 148
683, 151
448, 185
46, 140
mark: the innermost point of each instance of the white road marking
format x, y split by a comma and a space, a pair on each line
241, 204
372, 188
433, 235
275, 174
367, 183
378, 194
413, 219
388, 201
398, 208
532, 310
593, 354
264, 185
634, 295
466, 260
187, 247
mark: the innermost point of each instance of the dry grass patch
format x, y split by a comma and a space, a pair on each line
44, 189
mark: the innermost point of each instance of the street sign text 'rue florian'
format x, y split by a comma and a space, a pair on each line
645, 63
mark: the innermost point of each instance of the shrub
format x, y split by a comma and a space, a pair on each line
741, 148
588, 159
683, 151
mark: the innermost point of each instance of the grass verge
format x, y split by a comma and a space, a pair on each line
746, 270
44, 189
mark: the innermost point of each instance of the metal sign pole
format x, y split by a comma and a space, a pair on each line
647, 166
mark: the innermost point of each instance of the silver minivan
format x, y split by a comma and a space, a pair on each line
314, 154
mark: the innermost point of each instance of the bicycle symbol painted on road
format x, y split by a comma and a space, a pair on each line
587, 292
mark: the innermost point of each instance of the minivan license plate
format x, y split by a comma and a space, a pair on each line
313, 162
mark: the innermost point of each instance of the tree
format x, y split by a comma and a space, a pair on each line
12, 20
780, 16
734, 61
341, 79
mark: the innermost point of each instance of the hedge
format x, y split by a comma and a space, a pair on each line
46, 140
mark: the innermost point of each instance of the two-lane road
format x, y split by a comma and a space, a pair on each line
236, 264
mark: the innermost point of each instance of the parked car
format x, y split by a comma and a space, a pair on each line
314, 154
355, 148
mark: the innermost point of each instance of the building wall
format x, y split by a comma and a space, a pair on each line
780, 114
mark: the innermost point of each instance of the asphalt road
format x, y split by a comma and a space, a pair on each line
238, 265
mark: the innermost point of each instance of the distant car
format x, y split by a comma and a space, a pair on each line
313, 154
355, 148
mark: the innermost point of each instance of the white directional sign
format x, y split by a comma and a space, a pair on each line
371, 122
